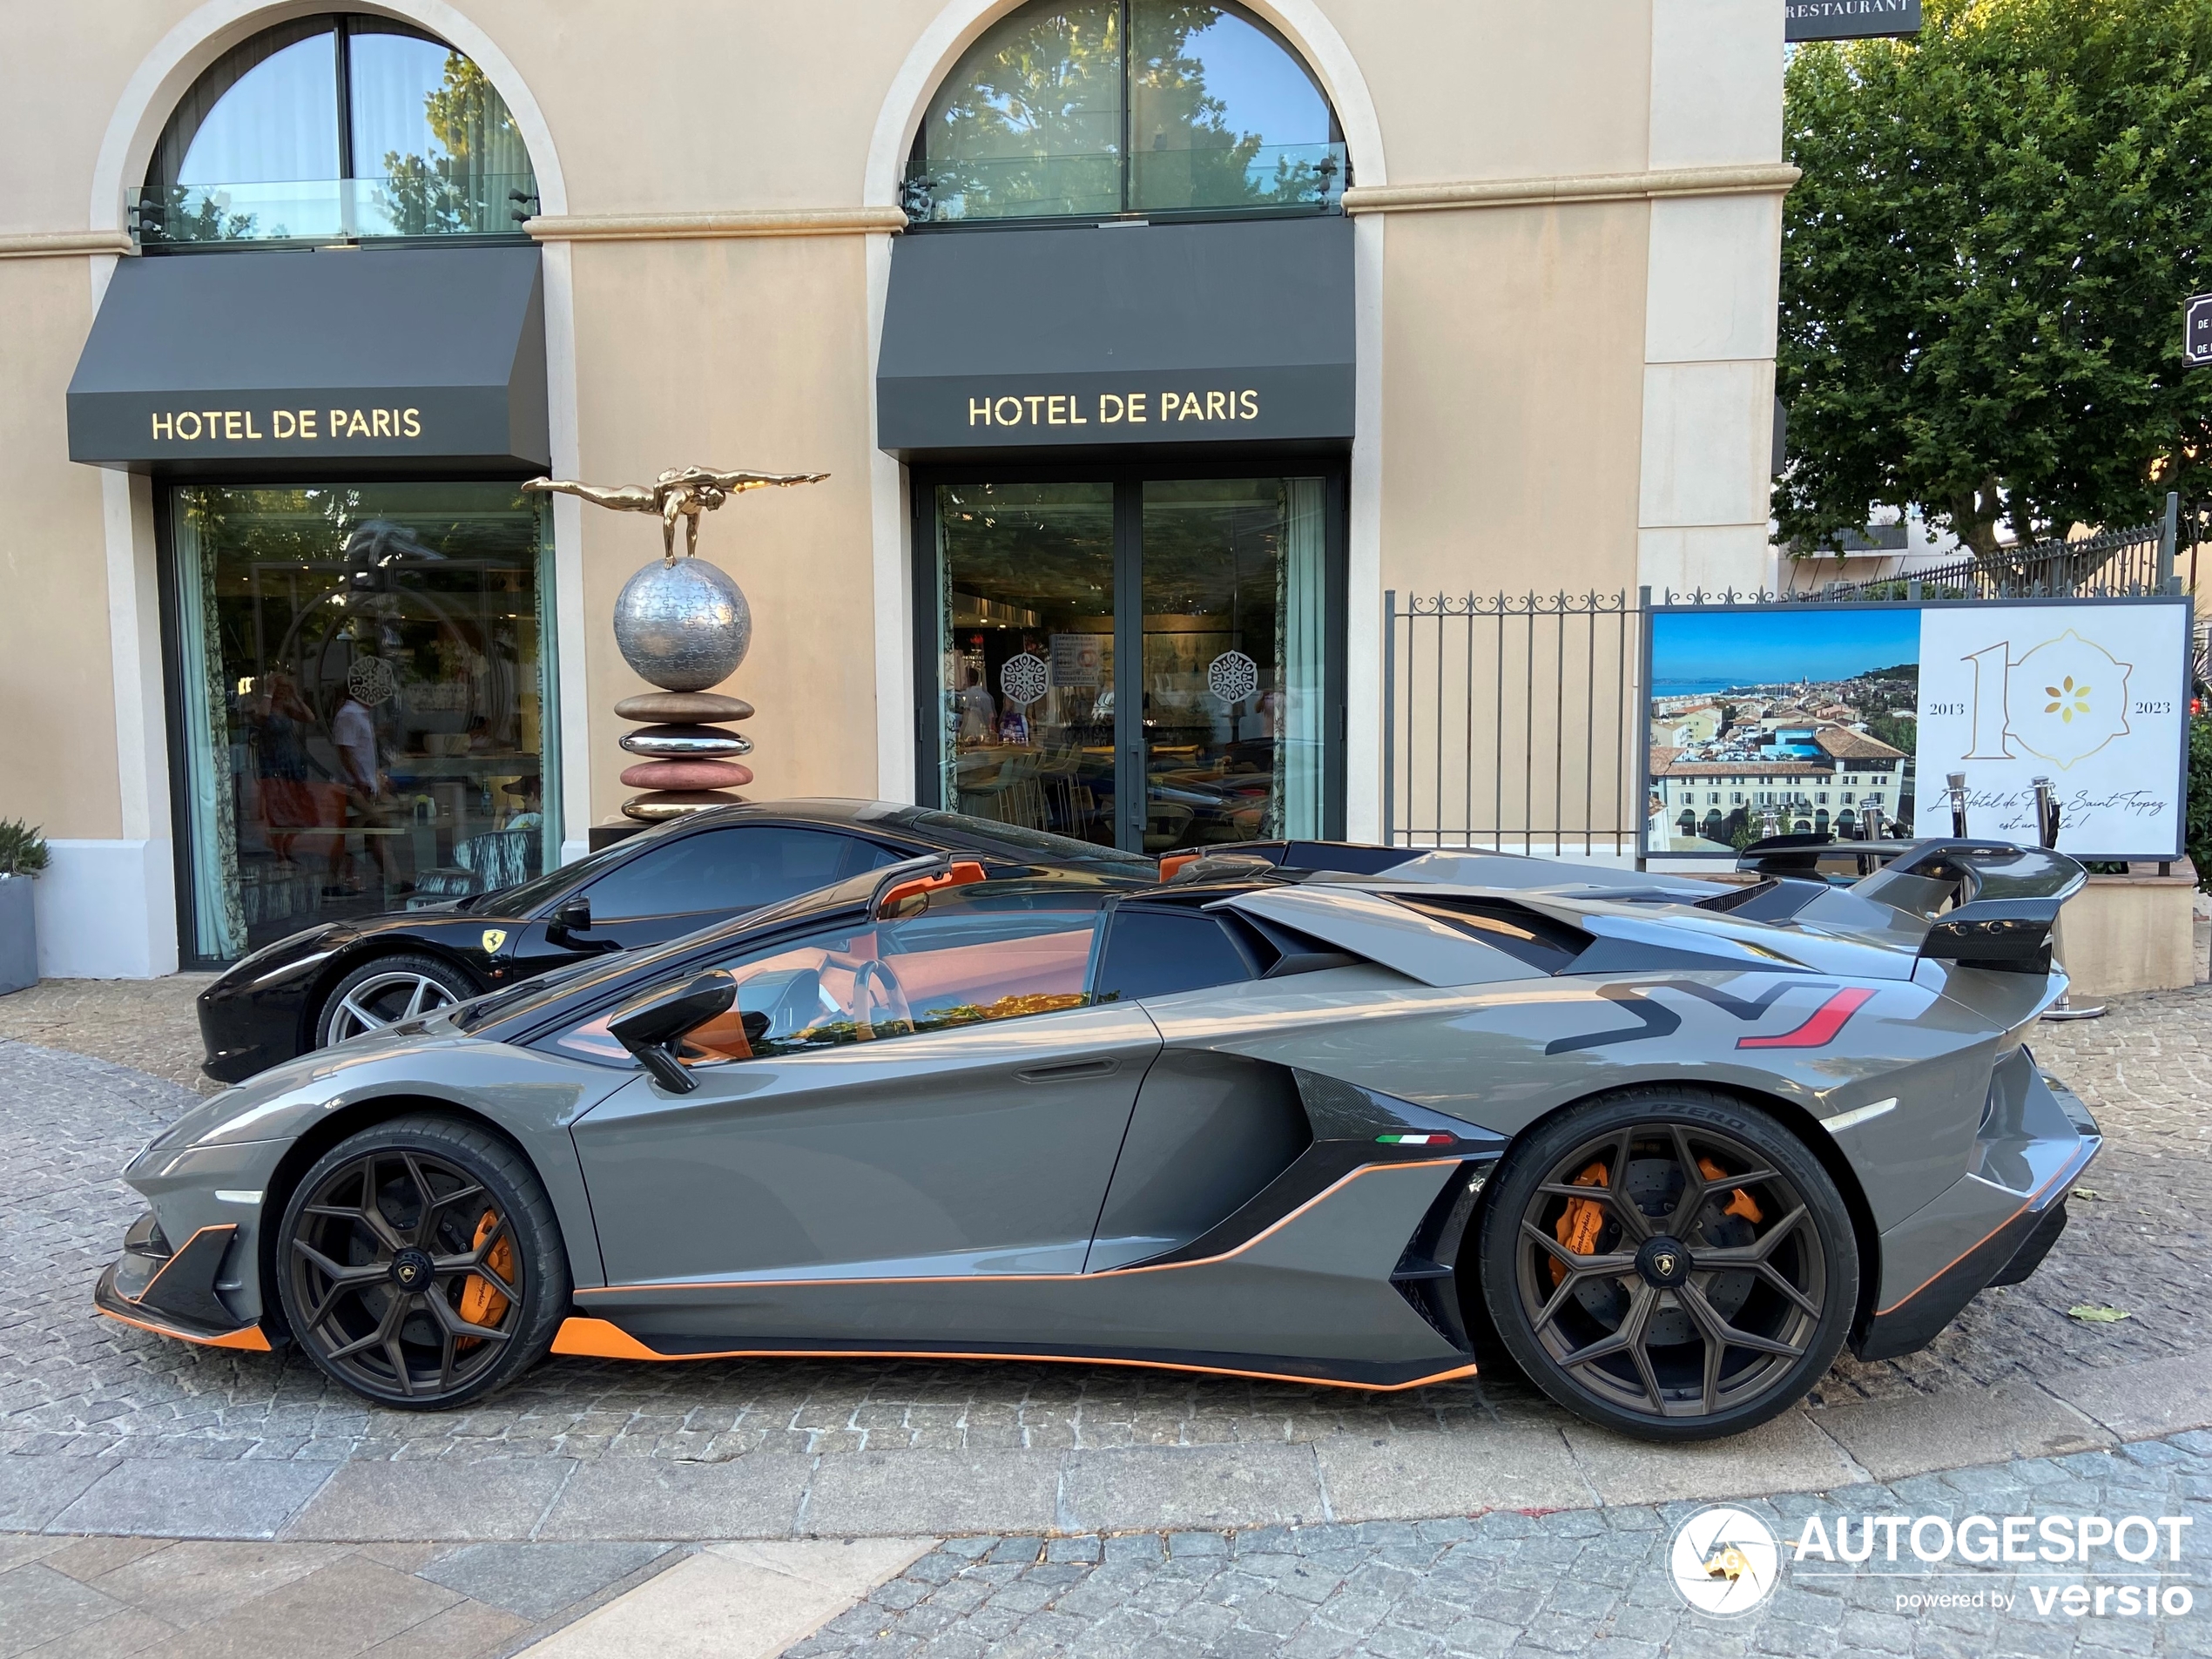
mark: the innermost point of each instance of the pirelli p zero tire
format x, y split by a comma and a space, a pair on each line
419, 1264
1669, 1262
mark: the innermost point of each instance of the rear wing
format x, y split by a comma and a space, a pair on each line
1987, 904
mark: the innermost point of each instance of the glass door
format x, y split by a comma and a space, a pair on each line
1235, 600
1141, 662
1025, 655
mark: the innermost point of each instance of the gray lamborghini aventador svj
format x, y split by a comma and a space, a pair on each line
1670, 1144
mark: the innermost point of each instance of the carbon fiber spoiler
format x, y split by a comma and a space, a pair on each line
1987, 904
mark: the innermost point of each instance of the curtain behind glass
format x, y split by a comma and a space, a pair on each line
431, 128
211, 812
266, 111
547, 740
1030, 121
1300, 642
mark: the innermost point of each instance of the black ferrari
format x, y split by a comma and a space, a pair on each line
338, 980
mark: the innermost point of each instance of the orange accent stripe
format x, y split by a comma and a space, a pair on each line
598, 1339
223, 1227
1027, 1279
248, 1338
1978, 1243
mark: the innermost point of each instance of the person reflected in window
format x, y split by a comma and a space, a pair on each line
372, 809
281, 743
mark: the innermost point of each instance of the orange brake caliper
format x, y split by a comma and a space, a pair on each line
481, 1303
1740, 1201
1580, 1224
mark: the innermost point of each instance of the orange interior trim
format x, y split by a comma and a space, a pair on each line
962, 873
1264, 1233
249, 1339
1170, 862
598, 1339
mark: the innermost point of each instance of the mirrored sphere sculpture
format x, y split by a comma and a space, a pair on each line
684, 626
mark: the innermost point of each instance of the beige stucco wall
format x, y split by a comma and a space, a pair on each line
2130, 932
1512, 380
769, 383
57, 730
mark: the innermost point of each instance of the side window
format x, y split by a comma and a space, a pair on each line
740, 868
949, 966
1157, 953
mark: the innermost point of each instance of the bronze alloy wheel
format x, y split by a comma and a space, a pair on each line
411, 1264
1673, 1273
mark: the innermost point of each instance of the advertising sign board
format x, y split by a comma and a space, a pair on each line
1844, 718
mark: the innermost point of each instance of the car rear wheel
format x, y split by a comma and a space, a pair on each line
1671, 1262
420, 1264
386, 991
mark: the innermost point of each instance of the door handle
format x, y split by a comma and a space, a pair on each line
1069, 1071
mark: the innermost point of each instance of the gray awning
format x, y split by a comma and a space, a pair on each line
289, 363
1224, 332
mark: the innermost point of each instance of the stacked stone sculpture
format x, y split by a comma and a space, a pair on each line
684, 625
688, 756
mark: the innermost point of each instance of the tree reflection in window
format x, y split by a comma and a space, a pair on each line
1100, 107
337, 129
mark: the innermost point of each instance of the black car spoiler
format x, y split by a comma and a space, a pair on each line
1987, 904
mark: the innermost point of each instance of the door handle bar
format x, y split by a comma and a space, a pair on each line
1068, 1070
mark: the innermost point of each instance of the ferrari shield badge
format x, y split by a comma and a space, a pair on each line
494, 938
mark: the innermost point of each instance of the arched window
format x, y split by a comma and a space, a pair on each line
337, 129
1089, 109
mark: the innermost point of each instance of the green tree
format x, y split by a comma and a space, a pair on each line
1983, 265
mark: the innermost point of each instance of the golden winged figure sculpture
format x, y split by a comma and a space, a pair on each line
681, 492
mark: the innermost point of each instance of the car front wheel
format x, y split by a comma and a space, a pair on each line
386, 991
420, 1264
1671, 1262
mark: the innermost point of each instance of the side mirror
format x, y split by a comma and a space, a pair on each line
571, 915
651, 1026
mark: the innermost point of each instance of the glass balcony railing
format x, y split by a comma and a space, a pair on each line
423, 203
1219, 179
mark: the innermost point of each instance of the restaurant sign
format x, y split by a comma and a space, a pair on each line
1850, 19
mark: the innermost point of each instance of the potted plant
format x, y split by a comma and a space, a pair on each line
22, 855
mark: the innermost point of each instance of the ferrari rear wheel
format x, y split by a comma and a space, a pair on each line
420, 1265
1671, 1262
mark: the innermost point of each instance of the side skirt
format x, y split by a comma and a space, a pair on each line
603, 1339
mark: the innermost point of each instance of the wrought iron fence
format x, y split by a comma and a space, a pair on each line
2121, 564
1512, 720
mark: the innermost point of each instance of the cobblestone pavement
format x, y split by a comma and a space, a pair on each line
72, 1383
151, 1025
1584, 1582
